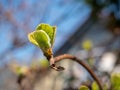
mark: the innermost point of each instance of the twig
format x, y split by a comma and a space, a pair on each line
67, 56
57, 59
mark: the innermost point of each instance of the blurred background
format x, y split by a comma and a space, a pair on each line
88, 29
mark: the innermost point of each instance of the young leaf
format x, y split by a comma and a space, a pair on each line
95, 86
42, 39
31, 39
50, 30
83, 88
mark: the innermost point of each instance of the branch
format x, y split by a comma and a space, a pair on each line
67, 56
27, 85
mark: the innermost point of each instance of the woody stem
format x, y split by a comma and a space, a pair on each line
71, 57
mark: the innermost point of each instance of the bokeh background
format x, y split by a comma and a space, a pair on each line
88, 29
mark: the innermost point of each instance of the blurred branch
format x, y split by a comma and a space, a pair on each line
17, 41
57, 59
67, 56
28, 79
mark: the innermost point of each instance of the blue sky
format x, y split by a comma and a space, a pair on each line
67, 15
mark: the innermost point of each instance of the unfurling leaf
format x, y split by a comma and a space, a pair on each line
43, 37
50, 30
31, 39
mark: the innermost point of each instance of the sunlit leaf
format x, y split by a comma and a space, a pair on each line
83, 88
31, 39
115, 81
95, 86
41, 39
50, 30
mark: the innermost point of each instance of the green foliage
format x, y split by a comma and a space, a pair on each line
115, 81
83, 88
50, 30
95, 86
31, 39
43, 37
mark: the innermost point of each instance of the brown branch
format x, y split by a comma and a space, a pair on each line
25, 86
67, 56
